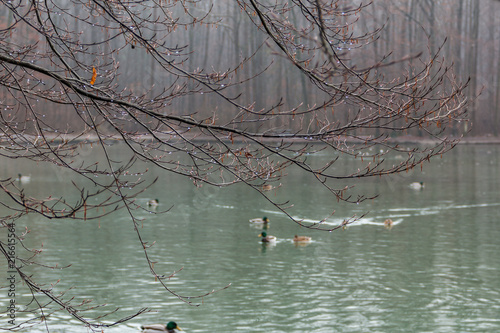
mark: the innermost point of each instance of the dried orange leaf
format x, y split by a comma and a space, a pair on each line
94, 76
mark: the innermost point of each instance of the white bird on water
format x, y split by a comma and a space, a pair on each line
23, 179
417, 185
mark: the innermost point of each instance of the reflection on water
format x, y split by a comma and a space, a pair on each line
435, 270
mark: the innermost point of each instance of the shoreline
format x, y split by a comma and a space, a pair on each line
65, 138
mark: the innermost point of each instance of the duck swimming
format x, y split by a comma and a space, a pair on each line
388, 223
23, 179
301, 239
263, 220
153, 203
417, 185
267, 187
157, 328
267, 238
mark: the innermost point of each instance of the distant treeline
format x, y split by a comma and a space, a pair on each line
470, 27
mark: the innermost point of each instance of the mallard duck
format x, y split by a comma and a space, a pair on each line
301, 239
23, 179
388, 223
153, 203
156, 328
266, 238
417, 185
260, 220
267, 187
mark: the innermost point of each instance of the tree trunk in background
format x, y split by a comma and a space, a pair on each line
458, 49
496, 82
472, 63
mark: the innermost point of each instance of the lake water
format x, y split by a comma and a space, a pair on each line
436, 270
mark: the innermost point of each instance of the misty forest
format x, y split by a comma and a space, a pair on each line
222, 93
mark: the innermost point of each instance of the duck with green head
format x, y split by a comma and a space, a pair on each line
267, 238
153, 203
23, 179
157, 328
263, 220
